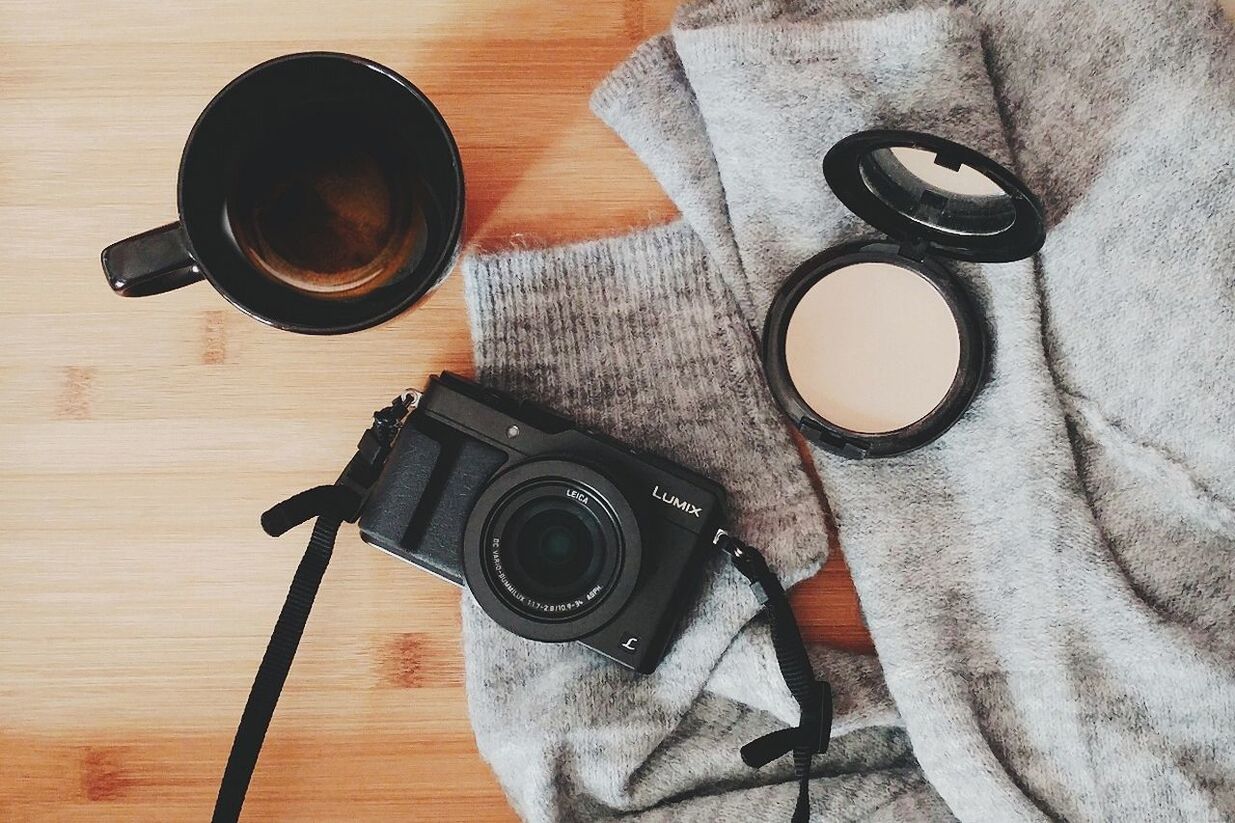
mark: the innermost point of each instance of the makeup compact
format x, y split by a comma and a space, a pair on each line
874, 347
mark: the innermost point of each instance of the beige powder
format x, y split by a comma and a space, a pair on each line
872, 347
964, 181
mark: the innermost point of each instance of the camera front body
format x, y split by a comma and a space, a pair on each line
560, 533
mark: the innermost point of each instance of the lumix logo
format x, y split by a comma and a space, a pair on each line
677, 502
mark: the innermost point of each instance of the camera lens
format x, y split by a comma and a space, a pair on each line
556, 553
553, 550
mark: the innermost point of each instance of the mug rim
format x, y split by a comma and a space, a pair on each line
450, 249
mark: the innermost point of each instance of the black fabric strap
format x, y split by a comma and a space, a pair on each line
814, 697
331, 505
275, 664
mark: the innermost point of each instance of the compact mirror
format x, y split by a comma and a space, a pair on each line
922, 186
925, 190
874, 347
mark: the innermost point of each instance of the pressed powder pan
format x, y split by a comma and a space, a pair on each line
877, 372
874, 348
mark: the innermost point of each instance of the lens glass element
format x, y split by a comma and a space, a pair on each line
553, 550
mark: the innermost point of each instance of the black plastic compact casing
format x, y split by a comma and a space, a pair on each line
469, 456
922, 224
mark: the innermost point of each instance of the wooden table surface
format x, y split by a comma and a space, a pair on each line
141, 439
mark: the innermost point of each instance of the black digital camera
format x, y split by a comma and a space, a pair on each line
560, 533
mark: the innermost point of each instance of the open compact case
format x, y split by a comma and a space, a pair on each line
874, 347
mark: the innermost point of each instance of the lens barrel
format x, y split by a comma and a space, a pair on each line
552, 550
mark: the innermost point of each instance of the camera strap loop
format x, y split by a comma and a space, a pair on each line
814, 697
331, 505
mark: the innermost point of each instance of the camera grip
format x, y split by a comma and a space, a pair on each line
420, 505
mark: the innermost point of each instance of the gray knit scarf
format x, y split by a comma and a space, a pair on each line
1051, 586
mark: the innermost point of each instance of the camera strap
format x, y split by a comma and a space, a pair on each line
333, 505
814, 697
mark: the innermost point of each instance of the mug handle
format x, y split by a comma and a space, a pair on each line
152, 262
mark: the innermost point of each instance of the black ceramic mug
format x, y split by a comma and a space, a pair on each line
320, 193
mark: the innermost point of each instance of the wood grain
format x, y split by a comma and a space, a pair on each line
141, 439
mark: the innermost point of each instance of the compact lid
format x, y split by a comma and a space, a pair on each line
944, 197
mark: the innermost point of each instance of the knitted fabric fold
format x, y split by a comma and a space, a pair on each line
1051, 586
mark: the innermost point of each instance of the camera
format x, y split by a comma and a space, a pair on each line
560, 533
